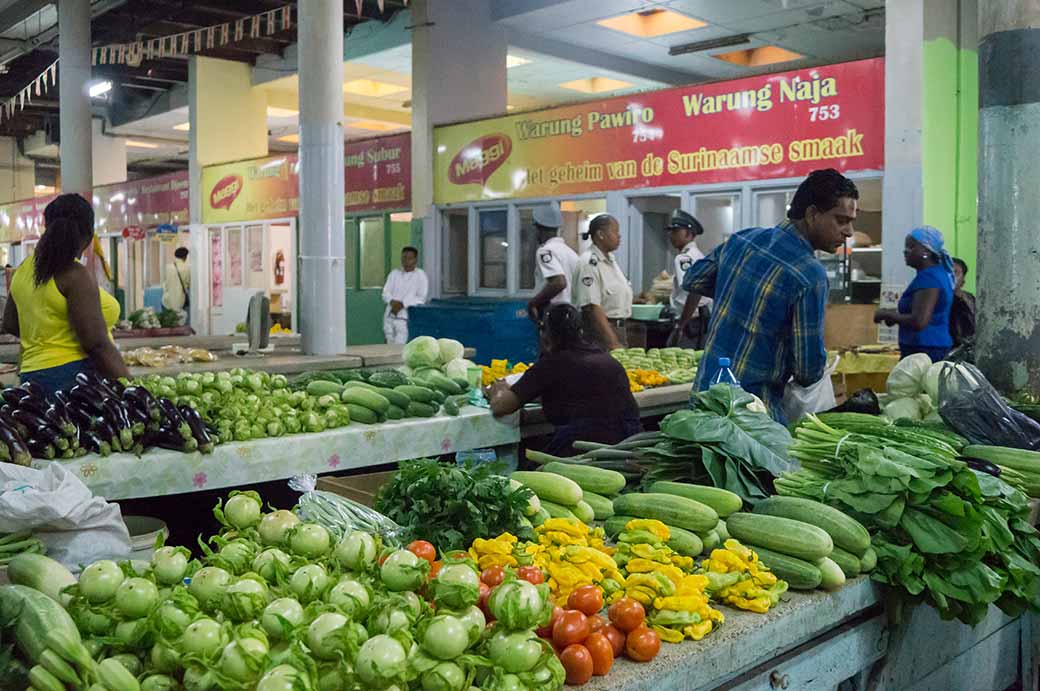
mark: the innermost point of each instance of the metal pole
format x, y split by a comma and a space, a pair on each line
73, 96
323, 306
1008, 281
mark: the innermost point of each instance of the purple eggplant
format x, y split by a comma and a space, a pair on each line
9, 438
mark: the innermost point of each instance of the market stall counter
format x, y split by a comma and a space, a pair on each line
652, 403
160, 472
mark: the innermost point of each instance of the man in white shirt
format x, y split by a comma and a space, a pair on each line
405, 287
177, 283
556, 262
683, 230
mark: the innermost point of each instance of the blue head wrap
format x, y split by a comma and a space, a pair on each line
932, 240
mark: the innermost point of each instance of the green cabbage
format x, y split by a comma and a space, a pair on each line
450, 349
457, 368
422, 351
907, 407
907, 378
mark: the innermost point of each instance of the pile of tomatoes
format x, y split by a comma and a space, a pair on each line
587, 644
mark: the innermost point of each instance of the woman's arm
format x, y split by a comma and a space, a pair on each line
502, 399
11, 317
84, 305
921, 310
598, 319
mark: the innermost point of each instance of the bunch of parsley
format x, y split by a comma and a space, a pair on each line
450, 505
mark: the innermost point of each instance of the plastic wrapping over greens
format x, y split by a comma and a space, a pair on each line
970, 405
340, 515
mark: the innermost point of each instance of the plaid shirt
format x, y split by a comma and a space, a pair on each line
770, 293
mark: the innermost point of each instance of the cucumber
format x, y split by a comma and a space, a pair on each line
550, 487
684, 542
359, 413
602, 507
721, 530
669, 509
397, 398
42, 573
363, 397
416, 393
417, 409
615, 524
589, 478
709, 540
534, 504
722, 500
461, 383
541, 516
784, 535
846, 561
394, 413
556, 510
450, 406
388, 378
799, 574
583, 512
868, 561
34, 615
831, 575
845, 531
443, 383
320, 387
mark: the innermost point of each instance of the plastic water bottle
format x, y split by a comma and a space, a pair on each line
724, 375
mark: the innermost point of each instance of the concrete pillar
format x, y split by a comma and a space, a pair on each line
108, 156
74, 100
1008, 348
323, 306
931, 88
458, 73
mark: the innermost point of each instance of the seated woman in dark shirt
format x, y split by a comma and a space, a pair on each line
584, 390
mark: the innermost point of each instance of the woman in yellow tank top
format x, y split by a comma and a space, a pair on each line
63, 319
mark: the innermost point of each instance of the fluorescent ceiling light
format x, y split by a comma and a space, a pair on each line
515, 61
99, 88
275, 112
758, 57
141, 145
510, 106
374, 125
183, 127
372, 88
710, 44
652, 23
596, 85
43, 189
291, 138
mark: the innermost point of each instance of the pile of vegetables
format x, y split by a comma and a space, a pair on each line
276, 603
96, 415
425, 356
676, 365
500, 369
23, 542
166, 356
943, 531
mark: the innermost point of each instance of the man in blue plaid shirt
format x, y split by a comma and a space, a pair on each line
770, 292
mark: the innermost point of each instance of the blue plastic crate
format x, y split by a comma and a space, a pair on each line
496, 328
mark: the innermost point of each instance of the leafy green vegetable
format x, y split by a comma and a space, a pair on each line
450, 506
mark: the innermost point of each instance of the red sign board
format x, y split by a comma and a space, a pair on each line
773, 126
377, 177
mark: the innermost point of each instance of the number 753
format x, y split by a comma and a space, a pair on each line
831, 112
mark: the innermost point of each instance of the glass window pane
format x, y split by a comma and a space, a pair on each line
234, 257
456, 251
256, 278
216, 268
154, 275
720, 216
494, 249
528, 247
771, 207
350, 253
373, 253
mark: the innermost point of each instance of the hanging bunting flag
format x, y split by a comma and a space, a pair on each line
360, 4
225, 29
381, 5
270, 22
184, 44
239, 30
209, 36
198, 40
53, 69
21, 100
254, 27
286, 18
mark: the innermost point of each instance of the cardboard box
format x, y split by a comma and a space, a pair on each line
360, 488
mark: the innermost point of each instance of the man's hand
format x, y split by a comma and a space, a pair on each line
884, 316
396, 306
496, 387
534, 312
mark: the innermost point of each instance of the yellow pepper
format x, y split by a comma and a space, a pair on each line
747, 584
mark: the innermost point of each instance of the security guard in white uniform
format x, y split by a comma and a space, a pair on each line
602, 291
683, 230
555, 260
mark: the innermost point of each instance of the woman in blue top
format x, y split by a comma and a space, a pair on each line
923, 315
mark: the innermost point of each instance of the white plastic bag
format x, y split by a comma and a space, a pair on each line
77, 527
815, 398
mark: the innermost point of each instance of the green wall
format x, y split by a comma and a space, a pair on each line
949, 147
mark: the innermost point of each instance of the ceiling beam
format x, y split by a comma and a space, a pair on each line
50, 33
600, 59
505, 9
279, 98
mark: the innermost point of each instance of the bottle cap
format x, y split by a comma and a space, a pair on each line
724, 362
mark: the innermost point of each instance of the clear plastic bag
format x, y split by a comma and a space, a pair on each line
340, 515
972, 407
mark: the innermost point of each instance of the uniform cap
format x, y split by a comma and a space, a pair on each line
548, 215
681, 219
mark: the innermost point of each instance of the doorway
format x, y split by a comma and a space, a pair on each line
373, 249
657, 253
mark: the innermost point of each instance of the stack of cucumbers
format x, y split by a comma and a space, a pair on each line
391, 395
569, 490
806, 543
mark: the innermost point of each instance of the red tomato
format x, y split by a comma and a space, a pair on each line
435, 568
626, 614
423, 550
493, 575
546, 631
572, 627
587, 599
596, 623
616, 638
577, 661
485, 592
642, 644
602, 653
531, 574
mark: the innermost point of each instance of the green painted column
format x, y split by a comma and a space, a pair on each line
1008, 348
